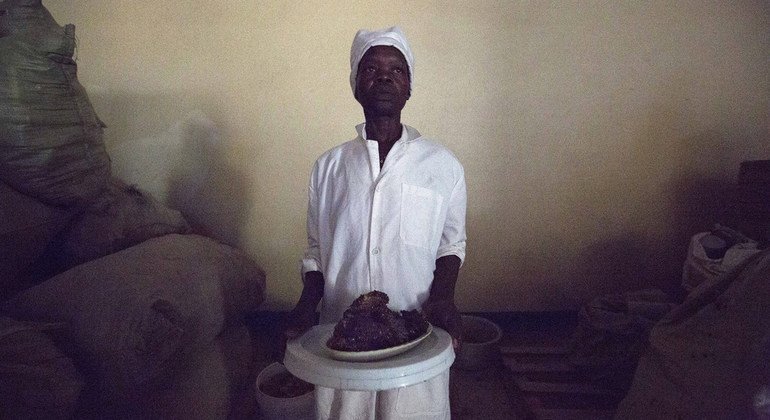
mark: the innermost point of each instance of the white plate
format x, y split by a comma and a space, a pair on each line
372, 355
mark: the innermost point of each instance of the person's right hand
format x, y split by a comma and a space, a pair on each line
299, 320
303, 316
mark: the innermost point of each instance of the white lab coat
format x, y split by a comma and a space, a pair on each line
371, 229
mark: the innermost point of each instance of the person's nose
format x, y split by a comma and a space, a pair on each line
384, 76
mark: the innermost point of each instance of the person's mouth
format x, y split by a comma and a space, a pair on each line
384, 92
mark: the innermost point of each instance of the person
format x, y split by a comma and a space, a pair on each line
386, 211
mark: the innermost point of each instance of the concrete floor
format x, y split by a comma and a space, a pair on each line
484, 394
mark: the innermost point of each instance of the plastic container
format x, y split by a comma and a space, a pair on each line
308, 358
274, 408
480, 348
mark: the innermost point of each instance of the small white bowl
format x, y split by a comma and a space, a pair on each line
480, 347
274, 408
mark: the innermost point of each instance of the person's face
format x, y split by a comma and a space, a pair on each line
382, 82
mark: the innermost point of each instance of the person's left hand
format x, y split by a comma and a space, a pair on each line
444, 314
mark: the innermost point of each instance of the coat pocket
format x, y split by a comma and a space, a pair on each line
420, 211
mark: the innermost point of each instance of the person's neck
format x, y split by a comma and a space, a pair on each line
384, 129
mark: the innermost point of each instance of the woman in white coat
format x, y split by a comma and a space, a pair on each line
386, 211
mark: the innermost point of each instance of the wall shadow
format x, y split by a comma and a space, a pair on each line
634, 261
173, 147
205, 187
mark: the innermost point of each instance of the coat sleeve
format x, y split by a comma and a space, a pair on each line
311, 260
453, 234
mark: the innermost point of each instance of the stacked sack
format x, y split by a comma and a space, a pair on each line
107, 302
59, 205
53, 161
51, 140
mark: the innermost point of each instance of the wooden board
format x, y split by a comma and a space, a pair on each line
553, 388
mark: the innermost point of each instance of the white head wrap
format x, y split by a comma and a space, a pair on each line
364, 40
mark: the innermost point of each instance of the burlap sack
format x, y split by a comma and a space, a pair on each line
123, 217
37, 381
133, 315
27, 227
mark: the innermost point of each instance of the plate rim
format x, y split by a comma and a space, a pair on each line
372, 355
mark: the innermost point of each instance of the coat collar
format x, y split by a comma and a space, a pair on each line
408, 133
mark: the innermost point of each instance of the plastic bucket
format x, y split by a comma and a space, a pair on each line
275, 408
480, 347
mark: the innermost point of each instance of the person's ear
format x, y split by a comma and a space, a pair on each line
355, 93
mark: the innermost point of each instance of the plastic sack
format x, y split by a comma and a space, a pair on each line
700, 267
708, 357
51, 140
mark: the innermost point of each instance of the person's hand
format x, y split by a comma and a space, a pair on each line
299, 320
444, 314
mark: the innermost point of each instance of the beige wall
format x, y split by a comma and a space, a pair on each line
589, 130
